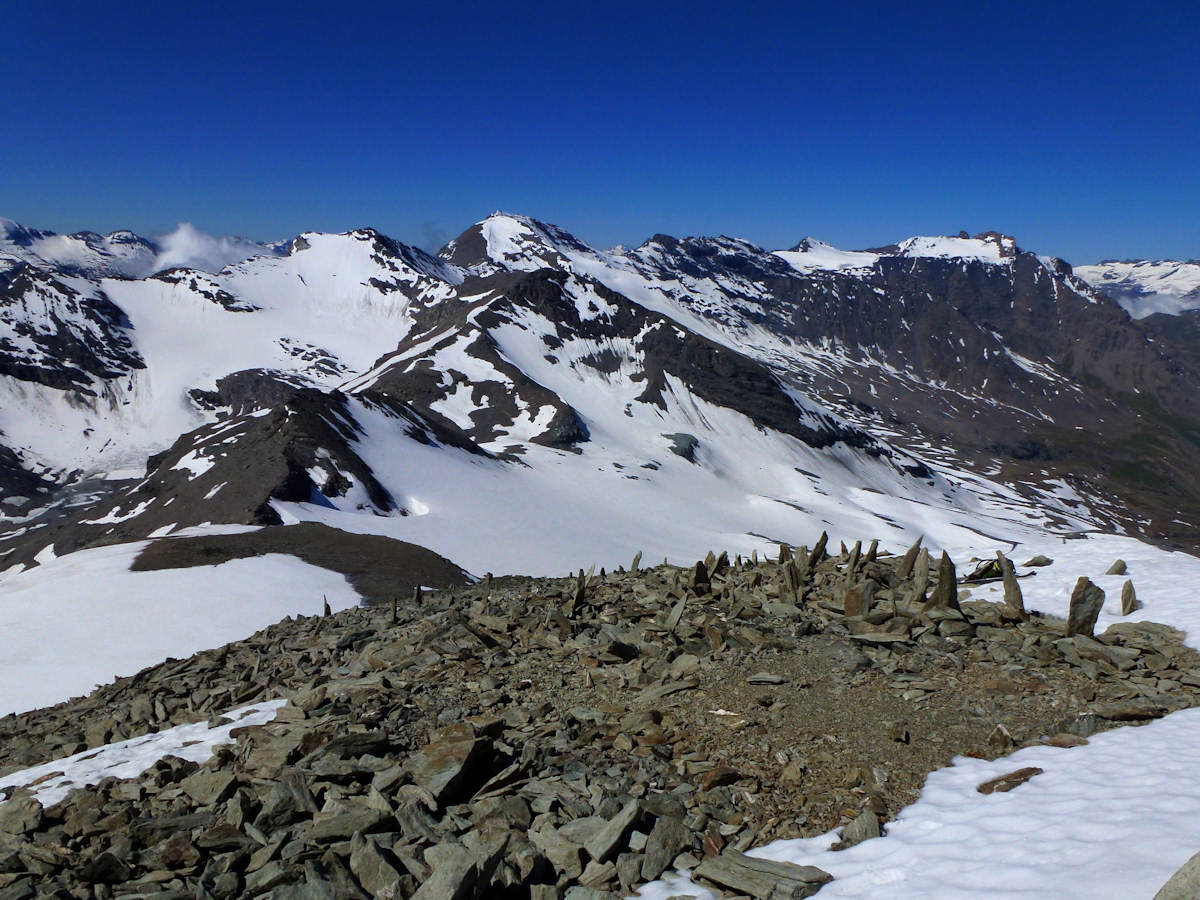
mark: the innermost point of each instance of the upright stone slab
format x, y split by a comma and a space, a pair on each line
1013, 597
818, 552
945, 595
1129, 600
920, 576
1086, 602
909, 559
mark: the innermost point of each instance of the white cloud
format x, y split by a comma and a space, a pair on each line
192, 248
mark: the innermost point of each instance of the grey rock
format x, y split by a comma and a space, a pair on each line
1086, 602
945, 594
909, 560
289, 801
1184, 884
863, 827
20, 814
374, 871
1129, 600
445, 766
610, 837
668, 839
920, 577
341, 826
563, 854
455, 873
1013, 598
761, 877
767, 678
1117, 568
208, 787
1037, 561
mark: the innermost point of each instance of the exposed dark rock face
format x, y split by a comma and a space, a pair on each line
302, 450
54, 335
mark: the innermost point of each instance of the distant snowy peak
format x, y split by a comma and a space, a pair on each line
506, 242
811, 254
123, 254
1145, 287
988, 247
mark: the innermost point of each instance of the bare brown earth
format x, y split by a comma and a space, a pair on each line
527, 737
378, 567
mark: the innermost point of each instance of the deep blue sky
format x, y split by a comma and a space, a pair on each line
1073, 125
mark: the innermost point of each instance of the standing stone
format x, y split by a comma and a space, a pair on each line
818, 552
855, 556
1086, 602
921, 576
946, 592
873, 551
1129, 600
1117, 568
906, 563
637, 561
1013, 598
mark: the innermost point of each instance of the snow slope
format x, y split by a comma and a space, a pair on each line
1145, 286
84, 619
326, 311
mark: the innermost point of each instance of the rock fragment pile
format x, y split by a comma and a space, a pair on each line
573, 738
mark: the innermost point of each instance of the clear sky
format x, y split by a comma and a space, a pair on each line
1073, 125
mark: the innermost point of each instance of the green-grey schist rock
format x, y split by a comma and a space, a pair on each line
905, 569
1184, 884
920, 577
1013, 598
761, 877
1129, 600
945, 594
1086, 601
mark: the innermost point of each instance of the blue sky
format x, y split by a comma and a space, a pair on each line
1073, 125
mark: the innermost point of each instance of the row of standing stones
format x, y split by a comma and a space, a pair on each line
552, 738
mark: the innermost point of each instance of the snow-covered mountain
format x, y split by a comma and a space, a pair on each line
123, 254
523, 395
1145, 287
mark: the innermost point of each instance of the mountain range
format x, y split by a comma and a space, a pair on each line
521, 395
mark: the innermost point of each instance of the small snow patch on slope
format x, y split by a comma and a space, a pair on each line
52, 781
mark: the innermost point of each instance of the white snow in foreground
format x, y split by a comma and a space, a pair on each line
1112, 819
85, 619
128, 759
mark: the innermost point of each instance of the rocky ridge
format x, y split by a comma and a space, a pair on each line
549, 738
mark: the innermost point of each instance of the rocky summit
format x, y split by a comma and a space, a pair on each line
576, 737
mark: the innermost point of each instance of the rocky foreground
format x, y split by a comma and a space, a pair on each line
574, 738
